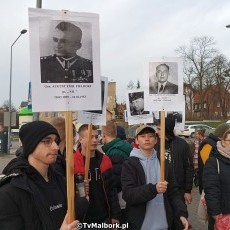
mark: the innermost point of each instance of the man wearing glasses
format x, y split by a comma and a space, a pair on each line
162, 85
65, 66
33, 194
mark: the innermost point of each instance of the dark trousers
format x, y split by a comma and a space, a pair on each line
211, 223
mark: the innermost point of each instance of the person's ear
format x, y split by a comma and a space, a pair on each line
80, 139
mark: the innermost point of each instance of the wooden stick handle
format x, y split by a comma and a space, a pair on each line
70, 168
162, 145
87, 154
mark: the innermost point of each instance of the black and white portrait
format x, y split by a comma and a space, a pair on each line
163, 78
136, 103
66, 54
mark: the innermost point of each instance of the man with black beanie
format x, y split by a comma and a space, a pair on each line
33, 195
178, 152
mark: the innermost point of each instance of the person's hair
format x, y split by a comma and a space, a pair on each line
201, 132
85, 127
59, 124
226, 134
163, 64
67, 26
110, 129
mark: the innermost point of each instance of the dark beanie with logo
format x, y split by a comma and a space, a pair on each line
32, 133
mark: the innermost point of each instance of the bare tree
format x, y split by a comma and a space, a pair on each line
220, 75
197, 57
5, 106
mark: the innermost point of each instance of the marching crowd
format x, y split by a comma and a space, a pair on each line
123, 188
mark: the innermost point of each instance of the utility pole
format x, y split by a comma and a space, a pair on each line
39, 4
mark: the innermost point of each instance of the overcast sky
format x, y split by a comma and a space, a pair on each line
130, 30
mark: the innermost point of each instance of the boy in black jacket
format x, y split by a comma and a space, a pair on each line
150, 203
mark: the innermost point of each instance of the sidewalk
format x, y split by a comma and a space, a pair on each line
4, 160
192, 209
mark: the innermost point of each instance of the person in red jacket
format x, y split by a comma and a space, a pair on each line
103, 200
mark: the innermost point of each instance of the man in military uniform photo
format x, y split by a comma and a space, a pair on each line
137, 103
65, 66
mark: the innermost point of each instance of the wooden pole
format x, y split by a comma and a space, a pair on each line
162, 145
70, 167
87, 154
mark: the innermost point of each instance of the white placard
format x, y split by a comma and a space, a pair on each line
65, 60
163, 78
136, 108
97, 117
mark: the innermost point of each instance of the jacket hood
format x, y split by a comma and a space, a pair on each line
137, 153
211, 137
17, 165
121, 145
169, 128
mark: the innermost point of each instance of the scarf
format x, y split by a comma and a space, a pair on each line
222, 150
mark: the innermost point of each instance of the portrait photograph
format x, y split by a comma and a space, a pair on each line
163, 78
66, 52
136, 104
136, 112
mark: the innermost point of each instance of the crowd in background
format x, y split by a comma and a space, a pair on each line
123, 184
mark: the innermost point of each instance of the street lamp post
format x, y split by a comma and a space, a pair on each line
9, 125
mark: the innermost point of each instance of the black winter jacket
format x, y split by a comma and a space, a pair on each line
217, 185
21, 206
210, 140
181, 161
137, 193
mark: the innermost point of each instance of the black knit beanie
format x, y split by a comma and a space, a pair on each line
121, 132
32, 133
